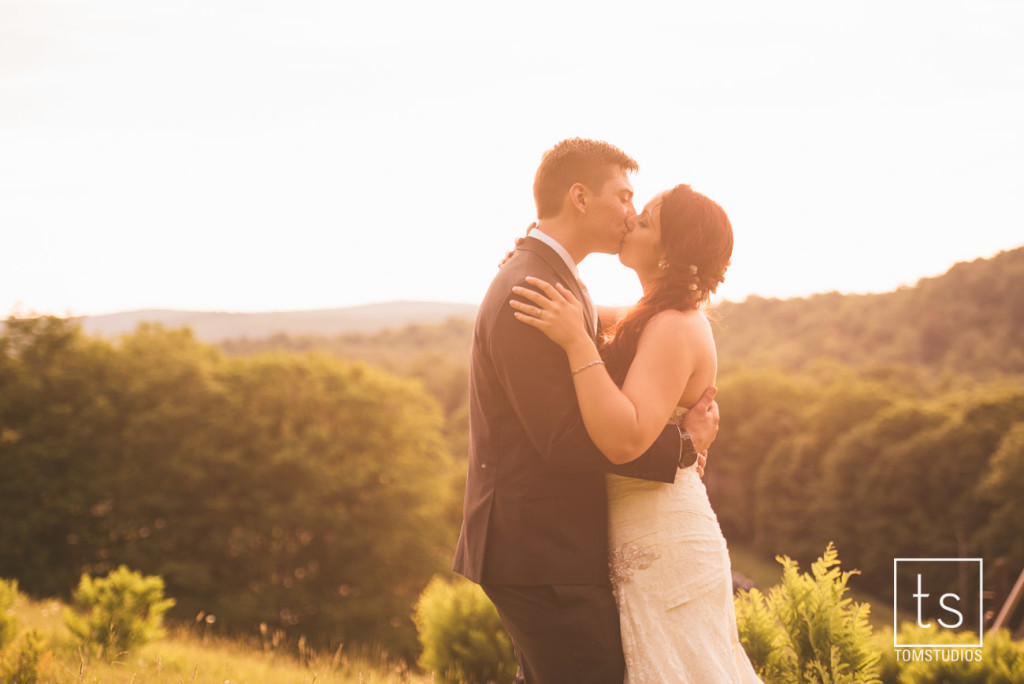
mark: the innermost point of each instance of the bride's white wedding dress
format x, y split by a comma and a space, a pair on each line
672, 579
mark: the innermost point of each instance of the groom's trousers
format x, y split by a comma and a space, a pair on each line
562, 633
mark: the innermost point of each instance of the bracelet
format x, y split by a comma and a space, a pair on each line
585, 366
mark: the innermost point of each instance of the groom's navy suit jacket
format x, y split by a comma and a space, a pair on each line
535, 510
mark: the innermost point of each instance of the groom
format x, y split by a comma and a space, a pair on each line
534, 532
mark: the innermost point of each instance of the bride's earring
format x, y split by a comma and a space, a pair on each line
663, 265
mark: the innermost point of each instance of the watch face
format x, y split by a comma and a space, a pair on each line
687, 454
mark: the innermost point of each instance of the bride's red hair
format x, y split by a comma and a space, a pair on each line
697, 237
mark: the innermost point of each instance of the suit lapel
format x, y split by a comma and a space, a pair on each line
552, 259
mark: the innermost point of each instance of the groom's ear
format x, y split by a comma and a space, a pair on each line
578, 196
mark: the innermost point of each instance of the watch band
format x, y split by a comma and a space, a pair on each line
687, 454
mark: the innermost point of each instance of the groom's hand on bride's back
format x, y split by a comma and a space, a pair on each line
701, 421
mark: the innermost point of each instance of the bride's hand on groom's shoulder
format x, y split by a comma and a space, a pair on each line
519, 241
553, 310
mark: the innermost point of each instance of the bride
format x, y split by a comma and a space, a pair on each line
668, 563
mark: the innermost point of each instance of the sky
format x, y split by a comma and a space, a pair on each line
257, 155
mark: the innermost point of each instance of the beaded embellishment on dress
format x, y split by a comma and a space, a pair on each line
624, 561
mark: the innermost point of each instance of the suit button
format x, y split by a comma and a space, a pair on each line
483, 465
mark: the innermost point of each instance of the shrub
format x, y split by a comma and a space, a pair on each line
461, 634
8, 620
805, 631
888, 664
27, 661
118, 613
1001, 661
761, 635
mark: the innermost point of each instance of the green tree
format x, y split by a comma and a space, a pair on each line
118, 613
791, 515
855, 468
59, 428
759, 409
344, 503
1003, 533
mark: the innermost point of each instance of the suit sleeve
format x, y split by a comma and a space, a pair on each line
536, 376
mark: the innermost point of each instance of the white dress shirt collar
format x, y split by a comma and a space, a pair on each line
559, 250
562, 252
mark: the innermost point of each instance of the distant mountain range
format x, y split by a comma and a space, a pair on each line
217, 326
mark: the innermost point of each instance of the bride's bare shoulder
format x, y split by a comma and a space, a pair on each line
671, 323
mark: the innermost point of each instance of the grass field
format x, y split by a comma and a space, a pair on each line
185, 656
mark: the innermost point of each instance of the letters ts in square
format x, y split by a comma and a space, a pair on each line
938, 595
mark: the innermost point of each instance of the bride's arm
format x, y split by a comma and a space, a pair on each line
622, 423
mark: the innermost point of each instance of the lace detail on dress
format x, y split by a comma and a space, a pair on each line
626, 560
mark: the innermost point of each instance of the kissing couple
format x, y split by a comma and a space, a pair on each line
585, 518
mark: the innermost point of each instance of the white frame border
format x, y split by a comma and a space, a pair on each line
981, 604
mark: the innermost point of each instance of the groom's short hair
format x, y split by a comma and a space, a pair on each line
576, 160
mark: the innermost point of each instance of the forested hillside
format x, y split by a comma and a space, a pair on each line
968, 321
301, 492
